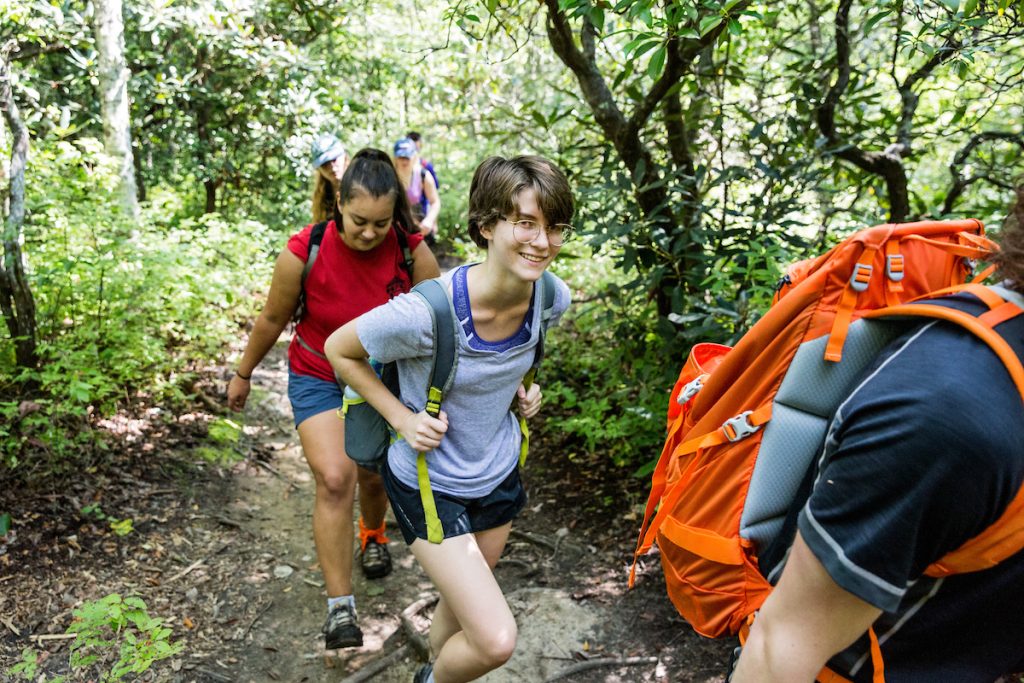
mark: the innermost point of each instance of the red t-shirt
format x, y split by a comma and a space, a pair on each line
342, 285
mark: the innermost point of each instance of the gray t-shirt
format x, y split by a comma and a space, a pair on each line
482, 443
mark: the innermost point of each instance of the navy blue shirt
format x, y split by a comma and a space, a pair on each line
925, 454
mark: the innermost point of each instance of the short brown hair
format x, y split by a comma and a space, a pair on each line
1011, 257
498, 181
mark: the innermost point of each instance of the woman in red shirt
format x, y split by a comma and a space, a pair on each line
361, 264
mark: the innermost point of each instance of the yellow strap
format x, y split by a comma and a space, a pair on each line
435, 534
524, 446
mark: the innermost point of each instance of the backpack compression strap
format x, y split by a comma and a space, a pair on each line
442, 374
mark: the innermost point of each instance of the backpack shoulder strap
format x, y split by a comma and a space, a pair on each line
316, 236
442, 372
445, 334
403, 243
547, 296
1006, 535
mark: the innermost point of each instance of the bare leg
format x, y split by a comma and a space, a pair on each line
444, 624
373, 501
323, 439
481, 631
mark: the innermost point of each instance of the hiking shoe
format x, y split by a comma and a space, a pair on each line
340, 630
423, 673
375, 559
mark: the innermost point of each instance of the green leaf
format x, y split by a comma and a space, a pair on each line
708, 24
657, 63
5, 523
952, 4
875, 18
735, 28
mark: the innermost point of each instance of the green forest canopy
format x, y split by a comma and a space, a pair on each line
709, 143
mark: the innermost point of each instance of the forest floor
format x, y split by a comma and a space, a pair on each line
223, 552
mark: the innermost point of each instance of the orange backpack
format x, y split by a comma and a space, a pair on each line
745, 424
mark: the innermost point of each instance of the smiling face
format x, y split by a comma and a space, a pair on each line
366, 219
527, 261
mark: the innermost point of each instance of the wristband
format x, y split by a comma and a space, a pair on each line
241, 376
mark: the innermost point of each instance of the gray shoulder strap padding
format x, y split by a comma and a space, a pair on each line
804, 405
446, 333
547, 285
1009, 294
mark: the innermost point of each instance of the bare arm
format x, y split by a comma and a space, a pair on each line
807, 619
424, 265
349, 359
429, 222
285, 287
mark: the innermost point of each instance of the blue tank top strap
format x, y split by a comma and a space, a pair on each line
460, 299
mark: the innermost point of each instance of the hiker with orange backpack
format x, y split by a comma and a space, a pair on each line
925, 454
453, 475
331, 273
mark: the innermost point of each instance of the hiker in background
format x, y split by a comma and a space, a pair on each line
518, 212
420, 189
329, 162
427, 165
362, 261
922, 457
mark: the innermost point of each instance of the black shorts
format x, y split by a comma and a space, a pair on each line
458, 515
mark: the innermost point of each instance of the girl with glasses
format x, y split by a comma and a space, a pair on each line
519, 211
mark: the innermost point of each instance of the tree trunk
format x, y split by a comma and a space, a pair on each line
16, 301
108, 27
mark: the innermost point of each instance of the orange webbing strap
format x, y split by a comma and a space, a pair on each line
366, 534
972, 324
858, 283
658, 480
894, 270
827, 675
957, 249
728, 431
876, 658
1000, 314
978, 240
665, 505
985, 294
751, 422
983, 275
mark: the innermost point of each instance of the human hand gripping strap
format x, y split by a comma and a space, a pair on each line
442, 373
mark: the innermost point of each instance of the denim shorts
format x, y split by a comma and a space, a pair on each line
311, 396
458, 515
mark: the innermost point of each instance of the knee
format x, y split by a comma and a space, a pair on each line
497, 647
336, 486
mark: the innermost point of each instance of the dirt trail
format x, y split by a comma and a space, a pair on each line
226, 557
568, 597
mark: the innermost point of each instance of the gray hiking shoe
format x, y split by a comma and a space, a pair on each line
340, 630
375, 560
